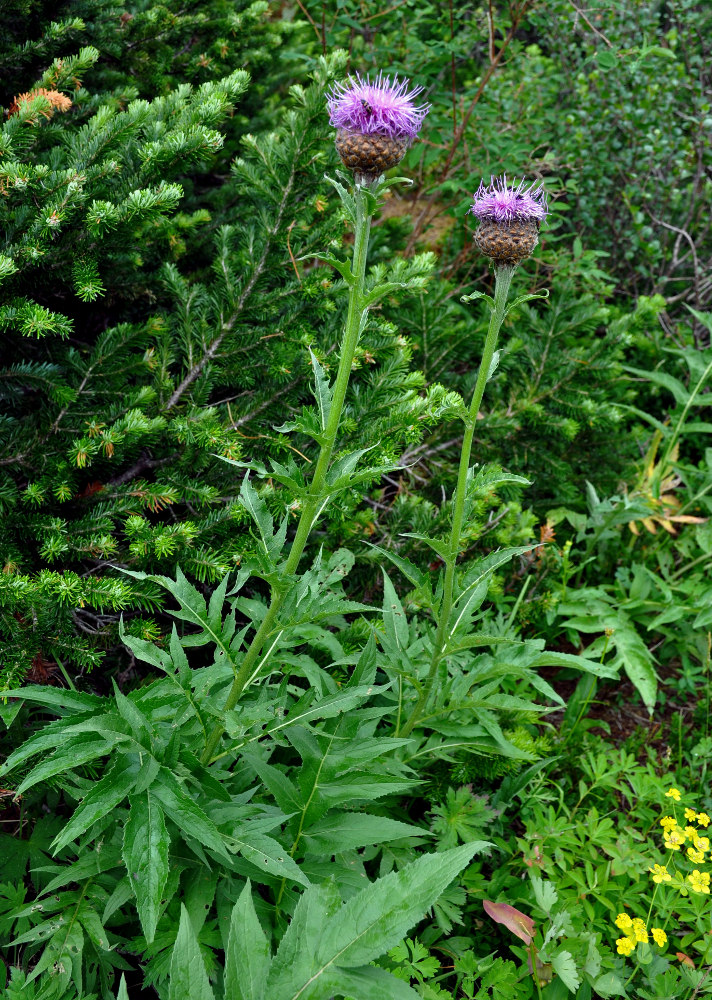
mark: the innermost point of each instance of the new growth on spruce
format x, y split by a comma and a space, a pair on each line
376, 122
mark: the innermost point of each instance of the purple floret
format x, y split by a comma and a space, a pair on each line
380, 107
504, 202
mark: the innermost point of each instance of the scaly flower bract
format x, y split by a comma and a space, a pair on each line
377, 107
503, 202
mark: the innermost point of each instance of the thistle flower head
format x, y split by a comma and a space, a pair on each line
503, 202
379, 107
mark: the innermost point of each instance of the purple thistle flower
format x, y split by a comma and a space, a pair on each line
502, 202
381, 107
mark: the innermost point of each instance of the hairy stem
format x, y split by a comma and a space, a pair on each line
318, 494
503, 278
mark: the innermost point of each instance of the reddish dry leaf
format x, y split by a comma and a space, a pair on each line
685, 959
514, 920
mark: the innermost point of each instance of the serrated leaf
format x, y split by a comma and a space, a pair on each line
348, 831
322, 390
342, 266
323, 937
545, 893
367, 983
145, 852
474, 296
247, 957
187, 815
565, 968
394, 618
71, 754
188, 978
521, 299
269, 856
100, 800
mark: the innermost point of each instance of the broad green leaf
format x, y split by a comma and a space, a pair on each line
348, 831
145, 853
186, 814
91, 922
367, 983
409, 570
146, 651
123, 993
365, 927
293, 965
188, 978
634, 656
550, 658
247, 958
132, 714
394, 617
61, 700
103, 797
269, 856
72, 753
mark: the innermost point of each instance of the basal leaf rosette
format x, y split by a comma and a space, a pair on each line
510, 216
376, 122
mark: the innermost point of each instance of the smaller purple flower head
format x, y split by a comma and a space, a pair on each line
378, 107
503, 202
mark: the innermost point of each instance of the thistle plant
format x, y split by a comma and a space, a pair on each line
510, 216
376, 123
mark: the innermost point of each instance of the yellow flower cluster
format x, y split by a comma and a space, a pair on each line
696, 850
636, 931
675, 837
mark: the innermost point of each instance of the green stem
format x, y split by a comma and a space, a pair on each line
317, 493
503, 278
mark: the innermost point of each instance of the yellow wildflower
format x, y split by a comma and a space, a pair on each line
690, 815
697, 857
639, 930
702, 843
700, 881
659, 936
673, 793
674, 839
690, 832
660, 874
668, 822
623, 922
625, 945
703, 819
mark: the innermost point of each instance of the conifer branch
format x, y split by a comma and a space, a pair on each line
228, 326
